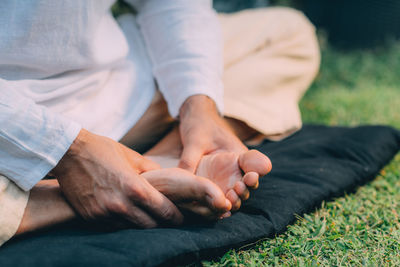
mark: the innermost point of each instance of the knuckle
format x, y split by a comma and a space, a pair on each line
118, 207
167, 213
90, 208
95, 213
137, 193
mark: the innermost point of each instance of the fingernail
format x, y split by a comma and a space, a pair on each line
226, 215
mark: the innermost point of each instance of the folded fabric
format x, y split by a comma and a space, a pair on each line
313, 165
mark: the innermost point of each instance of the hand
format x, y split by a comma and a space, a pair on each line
225, 160
203, 131
101, 178
190, 192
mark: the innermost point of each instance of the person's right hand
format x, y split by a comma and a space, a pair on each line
101, 178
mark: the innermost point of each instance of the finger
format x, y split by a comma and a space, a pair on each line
156, 204
139, 162
255, 161
225, 215
211, 195
139, 218
250, 179
200, 210
148, 165
190, 158
234, 199
241, 190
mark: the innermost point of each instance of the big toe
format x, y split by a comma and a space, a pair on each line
255, 161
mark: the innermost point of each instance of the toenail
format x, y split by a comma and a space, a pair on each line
228, 204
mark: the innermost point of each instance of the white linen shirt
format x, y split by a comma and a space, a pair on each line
65, 65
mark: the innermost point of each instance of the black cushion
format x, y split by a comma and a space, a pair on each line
315, 164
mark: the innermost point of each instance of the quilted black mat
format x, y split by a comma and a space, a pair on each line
315, 164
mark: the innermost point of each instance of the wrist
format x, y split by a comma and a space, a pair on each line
72, 153
198, 104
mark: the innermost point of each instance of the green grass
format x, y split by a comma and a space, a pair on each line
361, 229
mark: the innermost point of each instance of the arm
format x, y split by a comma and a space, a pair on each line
32, 141
99, 176
32, 138
47, 205
184, 41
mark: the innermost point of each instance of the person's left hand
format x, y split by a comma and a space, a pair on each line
203, 132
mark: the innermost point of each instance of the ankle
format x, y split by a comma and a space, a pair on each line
241, 129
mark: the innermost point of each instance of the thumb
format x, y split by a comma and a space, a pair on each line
139, 162
190, 157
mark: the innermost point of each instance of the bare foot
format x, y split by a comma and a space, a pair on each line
190, 192
235, 173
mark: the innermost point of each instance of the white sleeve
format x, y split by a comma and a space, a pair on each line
32, 138
184, 41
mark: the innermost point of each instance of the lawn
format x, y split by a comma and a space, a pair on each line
363, 228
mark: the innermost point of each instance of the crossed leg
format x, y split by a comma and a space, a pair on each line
219, 176
285, 59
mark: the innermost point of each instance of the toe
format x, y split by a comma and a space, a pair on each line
255, 161
234, 199
250, 179
241, 190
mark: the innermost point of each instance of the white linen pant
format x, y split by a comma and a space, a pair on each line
270, 58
